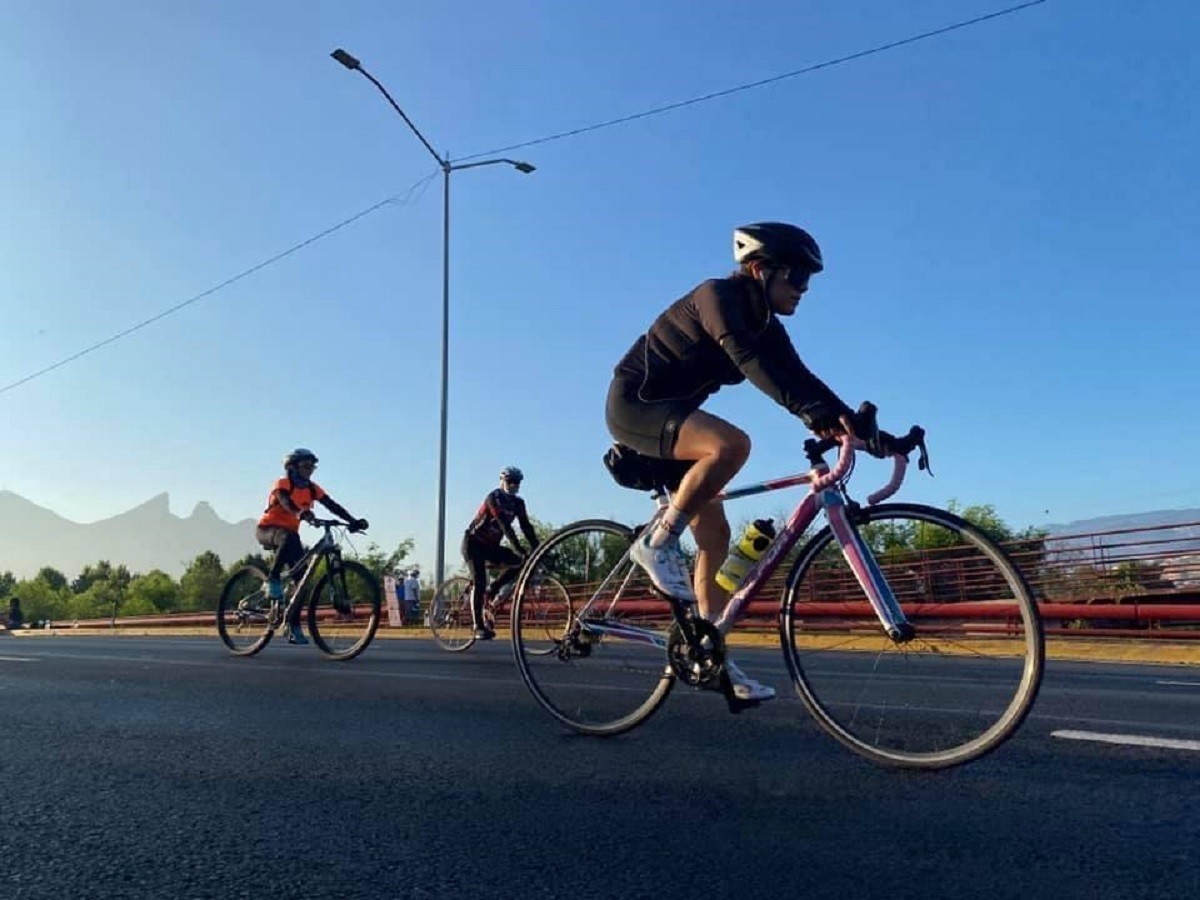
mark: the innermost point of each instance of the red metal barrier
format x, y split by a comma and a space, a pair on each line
166, 620
1146, 579
763, 613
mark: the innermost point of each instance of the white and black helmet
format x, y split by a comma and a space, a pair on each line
779, 243
512, 473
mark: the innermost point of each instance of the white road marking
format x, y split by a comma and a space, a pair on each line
1181, 683
1135, 740
17, 659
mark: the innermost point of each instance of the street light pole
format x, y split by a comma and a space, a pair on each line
447, 168
439, 568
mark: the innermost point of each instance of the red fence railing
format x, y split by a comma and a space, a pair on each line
1127, 582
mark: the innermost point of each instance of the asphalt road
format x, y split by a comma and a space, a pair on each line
160, 768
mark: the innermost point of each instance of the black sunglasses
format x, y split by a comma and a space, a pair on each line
797, 277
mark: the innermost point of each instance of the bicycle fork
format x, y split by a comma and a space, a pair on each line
866, 569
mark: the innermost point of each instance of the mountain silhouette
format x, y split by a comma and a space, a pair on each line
149, 536
1173, 532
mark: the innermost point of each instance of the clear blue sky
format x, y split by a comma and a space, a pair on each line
1009, 214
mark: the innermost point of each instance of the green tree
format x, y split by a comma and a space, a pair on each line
138, 606
101, 600
582, 559
54, 578
153, 592
251, 559
381, 563
8, 581
1135, 577
200, 586
104, 570
41, 601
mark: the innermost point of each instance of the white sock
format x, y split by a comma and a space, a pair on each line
668, 528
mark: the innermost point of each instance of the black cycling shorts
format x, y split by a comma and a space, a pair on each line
649, 427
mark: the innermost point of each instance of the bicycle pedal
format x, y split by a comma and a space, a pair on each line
737, 707
735, 704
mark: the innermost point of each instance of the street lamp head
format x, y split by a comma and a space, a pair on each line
524, 167
345, 59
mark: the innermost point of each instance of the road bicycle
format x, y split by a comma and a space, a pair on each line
907, 632
343, 605
453, 629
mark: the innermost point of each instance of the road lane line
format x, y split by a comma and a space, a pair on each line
1181, 683
224, 662
18, 659
1134, 740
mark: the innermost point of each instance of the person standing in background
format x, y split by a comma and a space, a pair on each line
412, 595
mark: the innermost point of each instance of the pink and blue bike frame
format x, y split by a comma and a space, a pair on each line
825, 494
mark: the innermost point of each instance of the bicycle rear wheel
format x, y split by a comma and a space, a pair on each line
343, 610
547, 616
244, 612
450, 615
607, 671
953, 692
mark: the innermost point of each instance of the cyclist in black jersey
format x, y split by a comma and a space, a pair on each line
481, 543
725, 331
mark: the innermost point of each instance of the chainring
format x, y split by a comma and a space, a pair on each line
697, 664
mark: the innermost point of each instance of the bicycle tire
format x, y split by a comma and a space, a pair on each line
602, 658
544, 645
450, 606
235, 597
364, 593
981, 645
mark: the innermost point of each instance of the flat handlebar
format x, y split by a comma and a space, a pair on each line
329, 523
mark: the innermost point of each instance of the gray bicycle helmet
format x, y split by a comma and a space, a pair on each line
299, 455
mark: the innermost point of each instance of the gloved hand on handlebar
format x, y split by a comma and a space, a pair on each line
866, 429
828, 419
359, 525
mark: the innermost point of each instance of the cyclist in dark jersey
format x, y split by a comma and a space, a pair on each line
481, 544
725, 331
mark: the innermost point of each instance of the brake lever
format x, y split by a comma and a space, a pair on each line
917, 434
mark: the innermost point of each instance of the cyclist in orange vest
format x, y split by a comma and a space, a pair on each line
291, 500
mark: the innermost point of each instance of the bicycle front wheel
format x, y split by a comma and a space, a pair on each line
957, 689
607, 669
244, 612
450, 615
343, 610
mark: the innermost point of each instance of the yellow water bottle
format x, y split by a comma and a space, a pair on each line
748, 550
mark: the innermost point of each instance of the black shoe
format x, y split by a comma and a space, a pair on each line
483, 633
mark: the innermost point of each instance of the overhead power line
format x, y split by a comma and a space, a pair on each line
406, 197
401, 199
658, 110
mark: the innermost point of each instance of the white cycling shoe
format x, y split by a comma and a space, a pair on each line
745, 687
666, 567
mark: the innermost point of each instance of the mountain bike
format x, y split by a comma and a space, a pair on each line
907, 632
453, 629
343, 605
